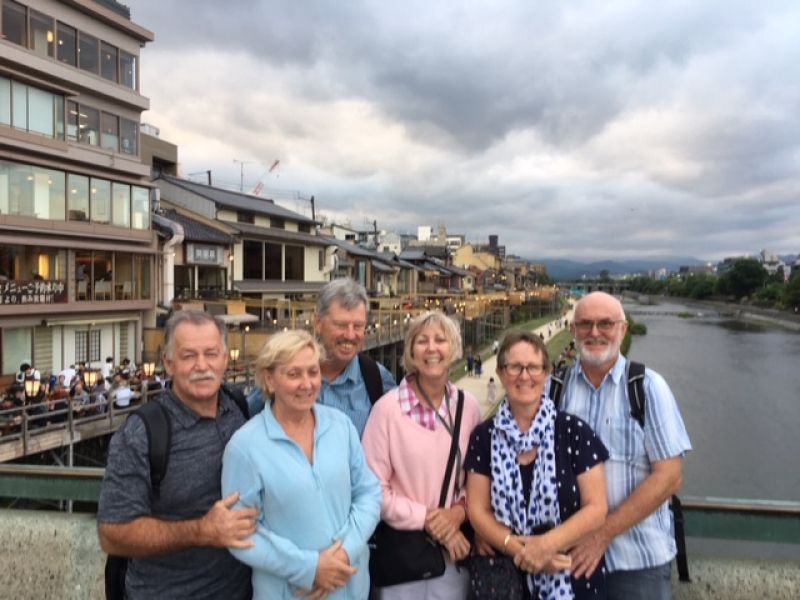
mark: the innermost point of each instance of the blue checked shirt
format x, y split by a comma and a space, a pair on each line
649, 543
349, 394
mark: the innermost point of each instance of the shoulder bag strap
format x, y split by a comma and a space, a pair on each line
454, 435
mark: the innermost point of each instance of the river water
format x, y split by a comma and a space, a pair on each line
738, 387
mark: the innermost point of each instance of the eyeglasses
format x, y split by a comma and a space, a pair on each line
516, 369
603, 326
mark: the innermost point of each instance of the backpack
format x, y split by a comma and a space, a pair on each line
634, 376
371, 376
159, 437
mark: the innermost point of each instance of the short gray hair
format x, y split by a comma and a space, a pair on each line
347, 292
193, 317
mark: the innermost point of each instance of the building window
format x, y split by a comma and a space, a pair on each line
245, 217
253, 259
295, 267
5, 101
108, 62
277, 223
88, 52
87, 346
88, 125
77, 198
42, 34
140, 207
321, 260
128, 136
100, 200
127, 69
273, 262
304, 228
141, 274
14, 23
66, 41
121, 204
109, 133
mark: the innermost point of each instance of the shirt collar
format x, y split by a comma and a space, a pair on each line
350, 374
186, 417
616, 373
275, 430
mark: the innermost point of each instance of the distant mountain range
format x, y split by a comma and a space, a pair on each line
562, 269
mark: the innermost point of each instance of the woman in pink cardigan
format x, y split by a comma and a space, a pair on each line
407, 441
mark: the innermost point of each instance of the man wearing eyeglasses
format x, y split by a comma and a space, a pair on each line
644, 466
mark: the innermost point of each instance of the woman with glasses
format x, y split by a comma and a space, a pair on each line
535, 479
407, 442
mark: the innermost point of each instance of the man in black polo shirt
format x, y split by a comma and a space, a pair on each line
178, 538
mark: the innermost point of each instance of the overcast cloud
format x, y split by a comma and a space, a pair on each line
579, 129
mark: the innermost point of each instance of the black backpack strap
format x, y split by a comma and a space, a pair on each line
454, 435
371, 376
159, 436
634, 375
681, 559
237, 395
558, 379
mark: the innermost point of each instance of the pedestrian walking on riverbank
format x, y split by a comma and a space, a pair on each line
644, 468
491, 392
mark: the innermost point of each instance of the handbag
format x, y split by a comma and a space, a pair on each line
497, 578
400, 556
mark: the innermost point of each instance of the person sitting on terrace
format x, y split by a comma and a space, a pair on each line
57, 401
81, 400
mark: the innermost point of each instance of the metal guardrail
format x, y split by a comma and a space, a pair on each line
718, 518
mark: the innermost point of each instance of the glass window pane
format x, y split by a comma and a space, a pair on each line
58, 109
294, 263
108, 62
142, 288
19, 104
87, 52
273, 262
102, 276
20, 190
122, 204
17, 346
5, 101
128, 136
48, 193
66, 39
109, 137
123, 276
72, 121
14, 27
127, 67
83, 274
88, 125
42, 34
140, 204
100, 198
41, 117
78, 198
253, 259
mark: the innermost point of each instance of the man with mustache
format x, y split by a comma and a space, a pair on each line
178, 535
644, 466
340, 323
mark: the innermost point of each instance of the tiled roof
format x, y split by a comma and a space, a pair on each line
237, 200
195, 231
270, 233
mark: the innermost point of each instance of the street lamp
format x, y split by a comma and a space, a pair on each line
234, 354
32, 387
149, 369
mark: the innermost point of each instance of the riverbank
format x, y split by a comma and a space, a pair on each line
738, 311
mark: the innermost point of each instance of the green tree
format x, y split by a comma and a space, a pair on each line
791, 292
605, 276
745, 277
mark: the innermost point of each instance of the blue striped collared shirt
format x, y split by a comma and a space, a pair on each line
649, 543
348, 393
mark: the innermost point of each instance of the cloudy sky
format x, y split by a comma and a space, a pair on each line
576, 129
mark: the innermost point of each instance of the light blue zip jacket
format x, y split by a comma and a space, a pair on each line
302, 508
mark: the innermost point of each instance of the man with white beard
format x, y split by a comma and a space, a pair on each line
644, 466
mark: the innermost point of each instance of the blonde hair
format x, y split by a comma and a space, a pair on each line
420, 322
282, 348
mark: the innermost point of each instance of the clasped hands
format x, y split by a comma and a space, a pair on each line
531, 553
444, 526
333, 571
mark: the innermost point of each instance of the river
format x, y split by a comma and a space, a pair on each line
738, 387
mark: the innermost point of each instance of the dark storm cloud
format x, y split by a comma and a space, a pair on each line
579, 127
